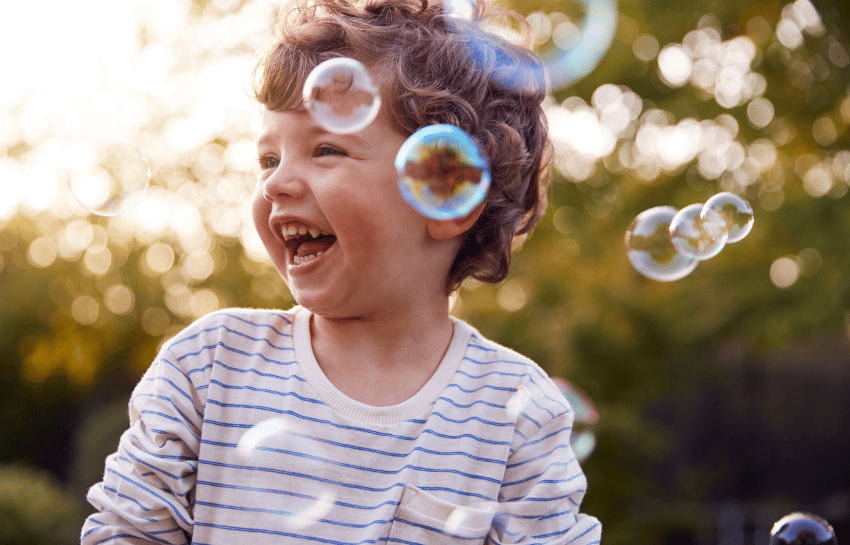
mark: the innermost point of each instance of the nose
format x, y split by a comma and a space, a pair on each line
285, 182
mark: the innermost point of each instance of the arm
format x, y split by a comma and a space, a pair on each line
542, 490
148, 485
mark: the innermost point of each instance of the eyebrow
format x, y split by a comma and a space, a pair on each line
316, 131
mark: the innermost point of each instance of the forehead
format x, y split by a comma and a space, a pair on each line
286, 127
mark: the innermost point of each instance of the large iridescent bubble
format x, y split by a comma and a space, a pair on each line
596, 33
564, 63
442, 173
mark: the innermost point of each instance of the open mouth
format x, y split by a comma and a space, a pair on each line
305, 244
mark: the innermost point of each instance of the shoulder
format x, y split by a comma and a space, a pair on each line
233, 327
525, 383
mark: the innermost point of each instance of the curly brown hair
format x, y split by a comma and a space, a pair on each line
434, 68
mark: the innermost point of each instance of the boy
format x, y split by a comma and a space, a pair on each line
392, 421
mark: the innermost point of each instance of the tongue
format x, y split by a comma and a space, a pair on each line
313, 247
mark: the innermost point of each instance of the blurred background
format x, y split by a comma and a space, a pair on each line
723, 397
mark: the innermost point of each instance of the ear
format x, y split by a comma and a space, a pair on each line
446, 229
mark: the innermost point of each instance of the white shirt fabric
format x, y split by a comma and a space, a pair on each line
236, 436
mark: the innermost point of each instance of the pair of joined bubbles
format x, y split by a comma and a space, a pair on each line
666, 244
442, 172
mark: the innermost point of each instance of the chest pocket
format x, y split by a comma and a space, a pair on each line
422, 518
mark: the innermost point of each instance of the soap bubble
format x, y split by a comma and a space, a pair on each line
340, 96
583, 436
650, 250
596, 33
689, 232
462, 9
262, 451
251, 441
565, 61
734, 210
802, 529
442, 173
107, 175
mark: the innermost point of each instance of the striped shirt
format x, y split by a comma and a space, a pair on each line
236, 436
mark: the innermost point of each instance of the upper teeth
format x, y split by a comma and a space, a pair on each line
292, 231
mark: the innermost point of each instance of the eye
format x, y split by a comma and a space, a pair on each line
325, 150
268, 161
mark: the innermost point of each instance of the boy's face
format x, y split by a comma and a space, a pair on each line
328, 210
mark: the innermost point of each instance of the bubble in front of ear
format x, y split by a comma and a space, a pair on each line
442, 173
697, 235
735, 212
650, 249
340, 96
107, 175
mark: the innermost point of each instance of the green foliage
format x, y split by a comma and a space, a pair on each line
34, 508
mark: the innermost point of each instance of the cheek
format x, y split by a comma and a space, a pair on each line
260, 211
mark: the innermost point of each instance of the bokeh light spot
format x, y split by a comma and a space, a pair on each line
155, 321
42, 252
760, 112
85, 309
158, 259
119, 299
108, 175
645, 47
675, 65
784, 272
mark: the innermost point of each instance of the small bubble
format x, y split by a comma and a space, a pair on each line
107, 175
517, 403
735, 211
696, 236
340, 96
650, 249
802, 529
583, 436
442, 173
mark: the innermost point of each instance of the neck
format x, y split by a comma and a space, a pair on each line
386, 339
381, 360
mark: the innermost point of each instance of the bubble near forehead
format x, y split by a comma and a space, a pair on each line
735, 211
107, 175
650, 250
341, 97
697, 236
442, 173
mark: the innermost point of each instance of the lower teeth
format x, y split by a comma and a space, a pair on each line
304, 259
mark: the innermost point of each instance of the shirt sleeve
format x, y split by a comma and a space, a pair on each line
542, 491
148, 485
